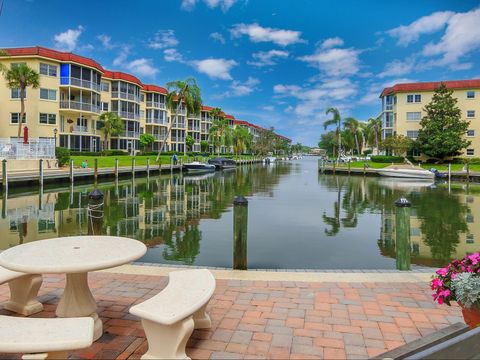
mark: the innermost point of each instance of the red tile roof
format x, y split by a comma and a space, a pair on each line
155, 88
430, 86
207, 108
118, 75
55, 55
230, 117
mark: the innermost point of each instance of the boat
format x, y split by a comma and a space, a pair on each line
412, 184
406, 171
222, 163
269, 160
198, 167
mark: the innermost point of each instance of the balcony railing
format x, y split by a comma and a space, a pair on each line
158, 105
130, 134
160, 136
126, 96
80, 129
180, 112
128, 115
178, 138
154, 121
86, 84
178, 125
76, 105
194, 128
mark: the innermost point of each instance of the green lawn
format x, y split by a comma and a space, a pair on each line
440, 167
125, 160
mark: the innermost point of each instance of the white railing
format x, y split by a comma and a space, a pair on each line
160, 136
194, 116
128, 115
76, 105
178, 139
86, 84
194, 128
156, 121
178, 124
80, 128
34, 149
131, 134
180, 112
158, 105
126, 96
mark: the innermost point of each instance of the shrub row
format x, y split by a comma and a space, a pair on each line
62, 155
387, 159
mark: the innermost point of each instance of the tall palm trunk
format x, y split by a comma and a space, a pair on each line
356, 143
22, 111
339, 134
376, 142
164, 141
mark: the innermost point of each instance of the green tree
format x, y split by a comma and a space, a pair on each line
355, 128
242, 140
219, 130
328, 142
398, 144
189, 141
373, 132
186, 92
146, 140
337, 121
204, 145
265, 141
442, 132
21, 77
111, 125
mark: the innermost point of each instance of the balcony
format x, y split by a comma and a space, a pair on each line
154, 121
193, 128
178, 125
178, 138
194, 116
130, 134
157, 105
126, 96
85, 84
160, 137
180, 112
128, 115
80, 129
80, 106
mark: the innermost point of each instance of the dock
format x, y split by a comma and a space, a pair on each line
462, 176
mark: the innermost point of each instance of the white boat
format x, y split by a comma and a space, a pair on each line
412, 184
269, 160
406, 171
199, 167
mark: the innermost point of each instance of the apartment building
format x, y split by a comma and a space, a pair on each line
74, 91
403, 107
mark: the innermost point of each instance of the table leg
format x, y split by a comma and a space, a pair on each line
77, 300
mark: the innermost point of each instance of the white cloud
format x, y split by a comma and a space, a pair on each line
238, 88
67, 41
267, 58
217, 37
106, 41
257, 33
407, 34
461, 38
163, 39
268, 108
225, 5
172, 55
397, 68
372, 94
141, 67
332, 42
335, 62
215, 68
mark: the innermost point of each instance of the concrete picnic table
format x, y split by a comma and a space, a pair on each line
74, 256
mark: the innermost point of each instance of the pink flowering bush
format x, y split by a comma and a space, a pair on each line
442, 283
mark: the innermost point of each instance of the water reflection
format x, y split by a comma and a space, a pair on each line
297, 218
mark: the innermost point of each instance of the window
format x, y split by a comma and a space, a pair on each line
104, 106
49, 70
415, 232
99, 125
15, 93
15, 116
50, 119
142, 98
471, 133
469, 218
414, 116
105, 86
470, 238
471, 94
470, 152
470, 113
414, 98
48, 94
412, 134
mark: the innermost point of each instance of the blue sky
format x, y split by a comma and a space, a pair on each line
277, 63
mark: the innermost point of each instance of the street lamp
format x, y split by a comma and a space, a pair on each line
55, 136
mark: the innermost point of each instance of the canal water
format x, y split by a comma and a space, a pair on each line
297, 218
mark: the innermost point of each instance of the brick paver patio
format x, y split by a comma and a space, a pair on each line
267, 319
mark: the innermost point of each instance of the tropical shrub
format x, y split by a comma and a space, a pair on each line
62, 155
387, 159
447, 288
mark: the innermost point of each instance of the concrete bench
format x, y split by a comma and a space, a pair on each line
40, 338
23, 291
170, 317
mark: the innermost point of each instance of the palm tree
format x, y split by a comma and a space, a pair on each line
219, 131
186, 92
337, 121
242, 139
375, 128
20, 77
353, 125
112, 125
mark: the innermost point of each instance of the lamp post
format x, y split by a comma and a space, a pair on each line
55, 131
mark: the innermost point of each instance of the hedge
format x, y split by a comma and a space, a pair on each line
62, 155
387, 159
100, 153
